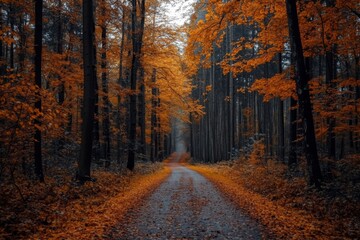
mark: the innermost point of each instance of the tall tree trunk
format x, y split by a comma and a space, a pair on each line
293, 134
137, 35
141, 112
2, 55
89, 59
22, 47
96, 135
357, 96
59, 50
158, 128
105, 88
121, 84
280, 103
38, 55
12, 14
141, 96
133, 79
302, 89
153, 117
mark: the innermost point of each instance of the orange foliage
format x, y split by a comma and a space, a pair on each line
276, 86
322, 27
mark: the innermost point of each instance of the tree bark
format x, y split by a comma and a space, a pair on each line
133, 79
153, 117
141, 96
302, 89
281, 137
59, 50
121, 84
89, 61
105, 88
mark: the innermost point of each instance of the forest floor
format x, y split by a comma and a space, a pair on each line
176, 200
62, 209
186, 206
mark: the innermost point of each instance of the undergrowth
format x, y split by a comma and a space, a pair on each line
60, 208
280, 194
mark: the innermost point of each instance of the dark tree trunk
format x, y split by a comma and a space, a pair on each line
105, 89
330, 76
133, 79
357, 96
2, 57
281, 137
141, 96
141, 111
121, 84
12, 14
38, 55
137, 34
22, 47
153, 117
96, 142
61, 94
293, 134
302, 89
89, 61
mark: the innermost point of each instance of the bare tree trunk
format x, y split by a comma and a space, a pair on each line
293, 134
133, 78
281, 137
105, 89
96, 135
120, 83
59, 50
89, 58
137, 34
2, 55
141, 96
141, 111
302, 89
153, 117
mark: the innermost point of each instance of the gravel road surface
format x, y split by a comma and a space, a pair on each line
186, 206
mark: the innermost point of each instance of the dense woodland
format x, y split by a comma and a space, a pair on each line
95, 87
118, 65
252, 77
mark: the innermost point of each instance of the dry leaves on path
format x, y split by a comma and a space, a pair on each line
284, 222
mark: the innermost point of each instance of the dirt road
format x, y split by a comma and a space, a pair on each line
186, 206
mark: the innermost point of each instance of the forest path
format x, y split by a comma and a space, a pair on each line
186, 206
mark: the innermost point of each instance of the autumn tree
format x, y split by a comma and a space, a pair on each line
105, 84
303, 92
89, 59
248, 55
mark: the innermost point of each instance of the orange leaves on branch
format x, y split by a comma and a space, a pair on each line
276, 86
